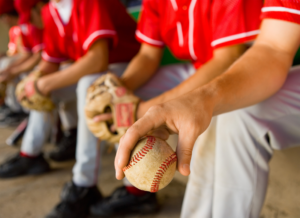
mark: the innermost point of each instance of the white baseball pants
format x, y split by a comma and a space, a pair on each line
40, 123
85, 171
245, 140
11, 100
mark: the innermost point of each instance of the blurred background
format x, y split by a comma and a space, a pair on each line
282, 201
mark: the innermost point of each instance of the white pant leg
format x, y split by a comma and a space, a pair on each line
66, 101
85, 171
37, 132
166, 78
198, 198
243, 152
10, 99
40, 123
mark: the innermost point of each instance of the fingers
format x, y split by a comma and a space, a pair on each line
113, 128
102, 117
148, 122
161, 133
186, 141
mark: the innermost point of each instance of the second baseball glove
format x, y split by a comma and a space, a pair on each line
29, 96
108, 94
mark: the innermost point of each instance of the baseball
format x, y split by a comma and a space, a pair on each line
152, 164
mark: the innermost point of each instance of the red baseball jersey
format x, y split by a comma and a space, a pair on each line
32, 38
14, 32
193, 28
288, 10
71, 36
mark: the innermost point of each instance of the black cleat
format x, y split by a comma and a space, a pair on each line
19, 166
12, 119
75, 202
121, 202
66, 148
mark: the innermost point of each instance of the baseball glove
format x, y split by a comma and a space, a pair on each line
108, 94
2, 93
29, 96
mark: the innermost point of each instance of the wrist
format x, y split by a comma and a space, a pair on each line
208, 97
42, 86
141, 109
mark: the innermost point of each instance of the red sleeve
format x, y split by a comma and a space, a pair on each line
32, 38
148, 30
288, 10
50, 53
235, 21
96, 15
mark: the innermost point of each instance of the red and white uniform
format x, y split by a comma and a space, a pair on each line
32, 38
236, 183
287, 10
75, 32
193, 28
14, 33
71, 28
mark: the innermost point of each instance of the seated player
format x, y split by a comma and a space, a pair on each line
210, 36
32, 39
18, 60
264, 90
98, 35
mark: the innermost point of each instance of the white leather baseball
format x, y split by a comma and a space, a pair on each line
152, 164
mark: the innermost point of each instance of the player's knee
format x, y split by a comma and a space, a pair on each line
232, 122
84, 83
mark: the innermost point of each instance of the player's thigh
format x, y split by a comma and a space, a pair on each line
278, 117
166, 78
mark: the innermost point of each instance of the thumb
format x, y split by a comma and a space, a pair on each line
184, 151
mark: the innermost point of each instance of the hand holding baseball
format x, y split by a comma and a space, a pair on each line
152, 164
187, 116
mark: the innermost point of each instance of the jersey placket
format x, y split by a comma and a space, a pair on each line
186, 10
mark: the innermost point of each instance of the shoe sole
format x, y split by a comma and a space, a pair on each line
139, 211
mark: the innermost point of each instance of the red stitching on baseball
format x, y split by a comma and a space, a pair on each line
160, 172
140, 154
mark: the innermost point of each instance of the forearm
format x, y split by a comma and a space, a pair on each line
142, 67
253, 78
94, 61
222, 60
139, 71
24, 57
27, 65
72, 74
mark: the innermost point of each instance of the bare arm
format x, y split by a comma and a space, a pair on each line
262, 70
222, 59
24, 57
257, 75
48, 67
27, 65
95, 60
142, 66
